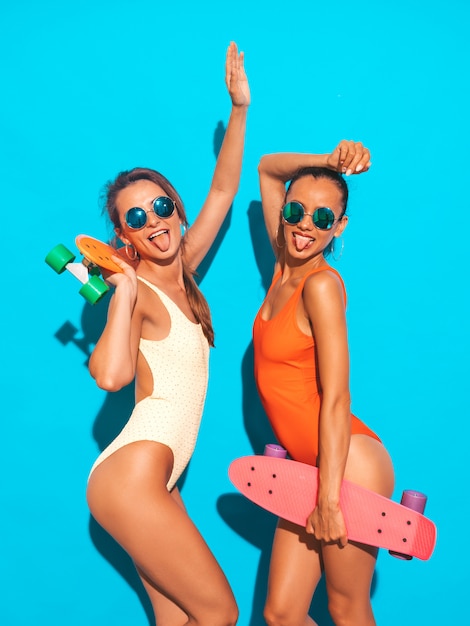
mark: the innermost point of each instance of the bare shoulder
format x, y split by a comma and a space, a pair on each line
324, 284
324, 302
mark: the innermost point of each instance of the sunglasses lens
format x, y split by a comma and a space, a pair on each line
136, 218
293, 212
163, 206
323, 218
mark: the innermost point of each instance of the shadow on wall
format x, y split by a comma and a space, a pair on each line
249, 521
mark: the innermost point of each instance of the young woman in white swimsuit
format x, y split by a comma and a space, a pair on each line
159, 332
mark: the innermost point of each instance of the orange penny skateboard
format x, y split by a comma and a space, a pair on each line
96, 257
289, 490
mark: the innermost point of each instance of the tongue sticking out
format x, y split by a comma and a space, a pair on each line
302, 242
162, 241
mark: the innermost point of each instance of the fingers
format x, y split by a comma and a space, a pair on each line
117, 258
350, 157
231, 63
328, 529
235, 76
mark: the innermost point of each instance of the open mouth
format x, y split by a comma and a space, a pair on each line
161, 239
159, 233
302, 242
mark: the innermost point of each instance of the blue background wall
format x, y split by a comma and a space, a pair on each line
90, 88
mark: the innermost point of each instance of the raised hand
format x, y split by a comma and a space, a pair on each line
235, 77
349, 157
125, 280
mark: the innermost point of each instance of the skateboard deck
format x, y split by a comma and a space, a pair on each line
289, 490
97, 252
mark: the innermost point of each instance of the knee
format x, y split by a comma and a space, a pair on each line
276, 614
226, 615
230, 617
338, 612
348, 613
219, 618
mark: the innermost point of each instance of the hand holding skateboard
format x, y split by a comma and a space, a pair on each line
96, 258
289, 489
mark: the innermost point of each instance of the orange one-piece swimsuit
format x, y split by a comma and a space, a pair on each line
287, 379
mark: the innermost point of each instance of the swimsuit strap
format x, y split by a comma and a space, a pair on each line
168, 303
301, 284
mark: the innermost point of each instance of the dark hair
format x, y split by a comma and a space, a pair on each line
336, 178
196, 300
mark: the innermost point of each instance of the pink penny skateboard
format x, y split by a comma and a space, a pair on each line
289, 490
96, 257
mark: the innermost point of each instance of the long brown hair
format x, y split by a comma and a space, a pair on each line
196, 300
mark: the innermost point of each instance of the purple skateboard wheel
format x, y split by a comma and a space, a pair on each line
272, 449
416, 501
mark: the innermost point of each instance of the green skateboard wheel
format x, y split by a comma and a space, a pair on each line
94, 289
59, 257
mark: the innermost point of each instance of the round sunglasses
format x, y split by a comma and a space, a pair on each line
162, 206
323, 218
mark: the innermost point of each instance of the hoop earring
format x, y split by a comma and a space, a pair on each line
136, 254
183, 229
337, 258
276, 239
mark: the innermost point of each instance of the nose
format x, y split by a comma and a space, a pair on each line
305, 223
152, 217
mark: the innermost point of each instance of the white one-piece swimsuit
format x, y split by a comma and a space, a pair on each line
172, 413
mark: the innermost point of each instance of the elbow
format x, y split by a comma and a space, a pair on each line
110, 381
342, 404
337, 404
107, 383
262, 165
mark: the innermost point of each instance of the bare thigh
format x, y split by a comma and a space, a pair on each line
166, 611
295, 570
370, 465
349, 570
127, 495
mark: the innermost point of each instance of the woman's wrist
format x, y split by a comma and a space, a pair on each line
239, 108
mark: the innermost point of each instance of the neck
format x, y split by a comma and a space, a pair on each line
293, 268
169, 271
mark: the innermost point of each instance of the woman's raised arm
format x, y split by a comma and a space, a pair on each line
226, 178
275, 170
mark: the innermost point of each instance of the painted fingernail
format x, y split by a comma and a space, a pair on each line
349, 172
359, 167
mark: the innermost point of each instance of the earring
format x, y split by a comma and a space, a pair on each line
135, 255
279, 245
182, 229
337, 258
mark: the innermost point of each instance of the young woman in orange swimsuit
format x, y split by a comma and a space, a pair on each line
302, 374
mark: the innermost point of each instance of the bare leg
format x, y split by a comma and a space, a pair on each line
166, 611
349, 570
294, 574
127, 495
